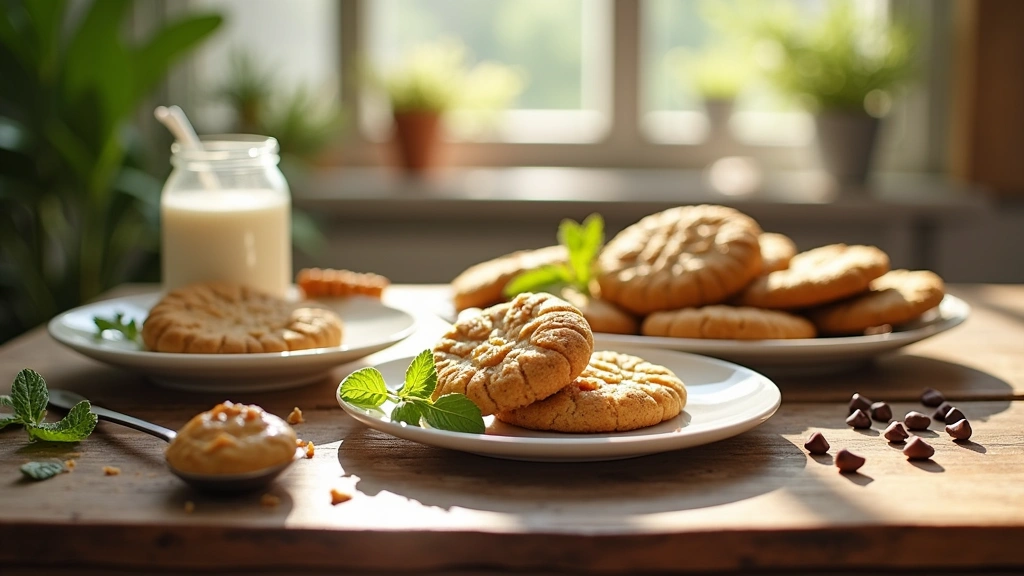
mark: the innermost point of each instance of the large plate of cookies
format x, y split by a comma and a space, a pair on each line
228, 338
708, 280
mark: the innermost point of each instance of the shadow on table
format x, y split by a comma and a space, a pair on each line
728, 471
899, 377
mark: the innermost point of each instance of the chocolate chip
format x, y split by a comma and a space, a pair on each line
847, 461
954, 415
859, 419
932, 397
896, 433
816, 444
858, 402
961, 430
918, 449
880, 411
916, 421
940, 412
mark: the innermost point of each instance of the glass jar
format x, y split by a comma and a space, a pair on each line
225, 215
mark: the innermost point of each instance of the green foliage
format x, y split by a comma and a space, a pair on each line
717, 72
583, 243
840, 62
29, 397
43, 470
77, 214
128, 330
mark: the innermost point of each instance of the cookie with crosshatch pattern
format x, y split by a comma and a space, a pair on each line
616, 392
513, 354
685, 256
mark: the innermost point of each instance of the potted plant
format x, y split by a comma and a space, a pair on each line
846, 71
717, 73
431, 81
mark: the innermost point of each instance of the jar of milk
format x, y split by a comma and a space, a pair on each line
226, 215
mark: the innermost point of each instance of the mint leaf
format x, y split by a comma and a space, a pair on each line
583, 243
408, 412
420, 377
29, 397
364, 388
42, 470
129, 330
6, 401
543, 279
7, 418
453, 412
76, 426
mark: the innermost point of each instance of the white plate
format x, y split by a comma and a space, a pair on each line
723, 400
805, 355
370, 326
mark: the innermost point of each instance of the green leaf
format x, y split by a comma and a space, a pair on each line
76, 426
29, 396
364, 388
453, 412
420, 377
583, 243
42, 470
129, 330
152, 61
6, 401
542, 279
8, 420
408, 412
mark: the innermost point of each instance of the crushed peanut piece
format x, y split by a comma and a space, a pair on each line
190, 507
299, 443
269, 501
69, 465
310, 449
111, 470
586, 385
337, 496
296, 416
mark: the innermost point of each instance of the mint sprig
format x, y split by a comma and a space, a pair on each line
128, 330
583, 242
366, 389
43, 470
29, 398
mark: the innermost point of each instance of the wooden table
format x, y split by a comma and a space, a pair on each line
756, 502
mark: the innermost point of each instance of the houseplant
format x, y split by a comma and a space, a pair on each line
434, 79
847, 71
78, 213
717, 73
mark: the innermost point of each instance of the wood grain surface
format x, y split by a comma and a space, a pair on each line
754, 502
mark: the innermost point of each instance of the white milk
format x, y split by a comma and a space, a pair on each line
239, 236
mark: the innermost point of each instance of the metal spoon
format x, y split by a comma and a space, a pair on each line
206, 482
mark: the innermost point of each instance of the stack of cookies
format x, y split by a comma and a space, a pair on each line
531, 362
711, 272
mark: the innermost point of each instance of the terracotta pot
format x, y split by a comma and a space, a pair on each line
417, 135
846, 143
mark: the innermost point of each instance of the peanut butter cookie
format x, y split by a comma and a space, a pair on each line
727, 322
895, 298
616, 392
512, 354
328, 282
818, 276
603, 316
482, 284
776, 251
221, 318
686, 256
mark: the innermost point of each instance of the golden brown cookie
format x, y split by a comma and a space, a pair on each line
513, 354
686, 256
328, 282
616, 392
602, 316
482, 284
222, 318
818, 276
727, 322
895, 298
776, 251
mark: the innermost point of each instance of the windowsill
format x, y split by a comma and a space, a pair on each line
624, 194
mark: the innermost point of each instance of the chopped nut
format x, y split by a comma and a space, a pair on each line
111, 470
310, 449
269, 501
69, 465
337, 496
296, 416
190, 507
586, 385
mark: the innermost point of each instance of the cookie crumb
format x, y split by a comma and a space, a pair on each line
310, 449
337, 496
296, 416
190, 507
299, 443
269, 501
111, 471
586, 385
69, 464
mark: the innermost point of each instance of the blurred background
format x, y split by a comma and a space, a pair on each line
422, 136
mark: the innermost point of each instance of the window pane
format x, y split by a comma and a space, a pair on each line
560, 46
